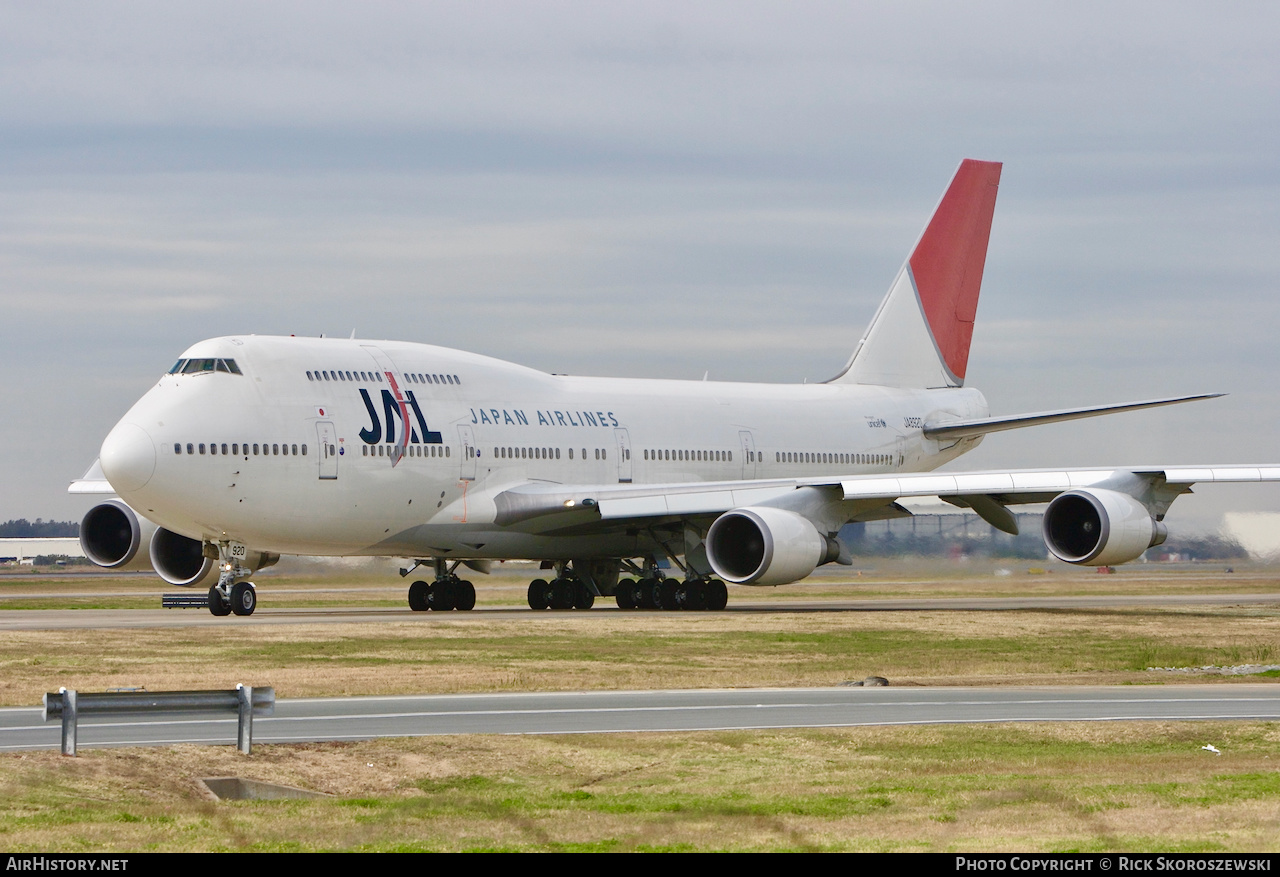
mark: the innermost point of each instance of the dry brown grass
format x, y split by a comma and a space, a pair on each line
1110, 787
403, 652
1044, 787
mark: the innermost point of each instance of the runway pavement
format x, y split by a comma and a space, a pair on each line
73, 619
601, 712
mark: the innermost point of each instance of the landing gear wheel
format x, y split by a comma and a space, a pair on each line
418, 596
582, 596
667, 594
717, 595
466, 596
539, 594
441, 596
217, 605
695, 596
244, 599
649, 593
562, 594
624, 594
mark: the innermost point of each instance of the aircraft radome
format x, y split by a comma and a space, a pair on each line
250, 447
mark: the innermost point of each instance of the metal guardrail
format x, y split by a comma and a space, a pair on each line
185, 601
245, 700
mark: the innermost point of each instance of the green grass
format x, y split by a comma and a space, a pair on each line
1117, 787
1062, 787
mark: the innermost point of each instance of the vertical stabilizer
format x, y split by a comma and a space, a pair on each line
920, 335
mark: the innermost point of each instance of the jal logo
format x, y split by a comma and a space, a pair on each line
383, 429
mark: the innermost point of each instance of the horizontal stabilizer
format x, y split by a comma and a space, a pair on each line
92, 482
958, 429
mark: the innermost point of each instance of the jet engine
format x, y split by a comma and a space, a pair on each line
766, 546
111, 535
1102, 527
179, 560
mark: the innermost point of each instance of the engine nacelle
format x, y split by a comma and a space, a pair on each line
179, 560
1099, 527
766, 546
114, 536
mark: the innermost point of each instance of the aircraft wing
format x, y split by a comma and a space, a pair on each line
958, 429
543, 506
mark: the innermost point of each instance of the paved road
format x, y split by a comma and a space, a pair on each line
362, 718
81, 619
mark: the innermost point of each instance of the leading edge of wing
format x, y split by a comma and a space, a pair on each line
958, 429
579, 504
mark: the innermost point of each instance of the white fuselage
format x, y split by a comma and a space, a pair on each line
201, 453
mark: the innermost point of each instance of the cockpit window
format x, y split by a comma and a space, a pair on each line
200, 366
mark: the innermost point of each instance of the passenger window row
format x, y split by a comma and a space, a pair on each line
417, 378
376, 377
338, 375
234, 449
833, 458
547, 453
411, 451
690, 456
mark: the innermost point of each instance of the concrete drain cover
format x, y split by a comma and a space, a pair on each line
238, 789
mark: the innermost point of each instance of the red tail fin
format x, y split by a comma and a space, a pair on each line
948, 261
920, 335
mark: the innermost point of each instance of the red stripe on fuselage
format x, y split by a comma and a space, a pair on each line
947, 264
402, 447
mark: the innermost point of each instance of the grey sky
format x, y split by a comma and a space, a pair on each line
643, 189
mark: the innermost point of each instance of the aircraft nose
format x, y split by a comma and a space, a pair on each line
128, 457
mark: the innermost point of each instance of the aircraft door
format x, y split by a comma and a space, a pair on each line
328, 456
469, 452
750, 458
624, 455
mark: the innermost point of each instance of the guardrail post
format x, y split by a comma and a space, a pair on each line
244, 735
68, 720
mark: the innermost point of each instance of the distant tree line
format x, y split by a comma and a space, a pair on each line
40, 529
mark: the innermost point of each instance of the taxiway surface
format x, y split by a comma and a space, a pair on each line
71, 619
603, 712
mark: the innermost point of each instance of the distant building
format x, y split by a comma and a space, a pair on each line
24, 550
1258, 532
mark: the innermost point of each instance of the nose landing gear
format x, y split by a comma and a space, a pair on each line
231, 594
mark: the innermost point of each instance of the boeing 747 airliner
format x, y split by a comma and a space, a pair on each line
250, 447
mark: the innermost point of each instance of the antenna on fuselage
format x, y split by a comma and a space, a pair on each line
353, 334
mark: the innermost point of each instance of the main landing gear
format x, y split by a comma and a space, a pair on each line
445, 593
565, 591
228, 595
578, 589
655, 592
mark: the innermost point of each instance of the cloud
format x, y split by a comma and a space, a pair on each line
650, 190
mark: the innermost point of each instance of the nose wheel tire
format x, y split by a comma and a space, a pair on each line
217, 605
244, 599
